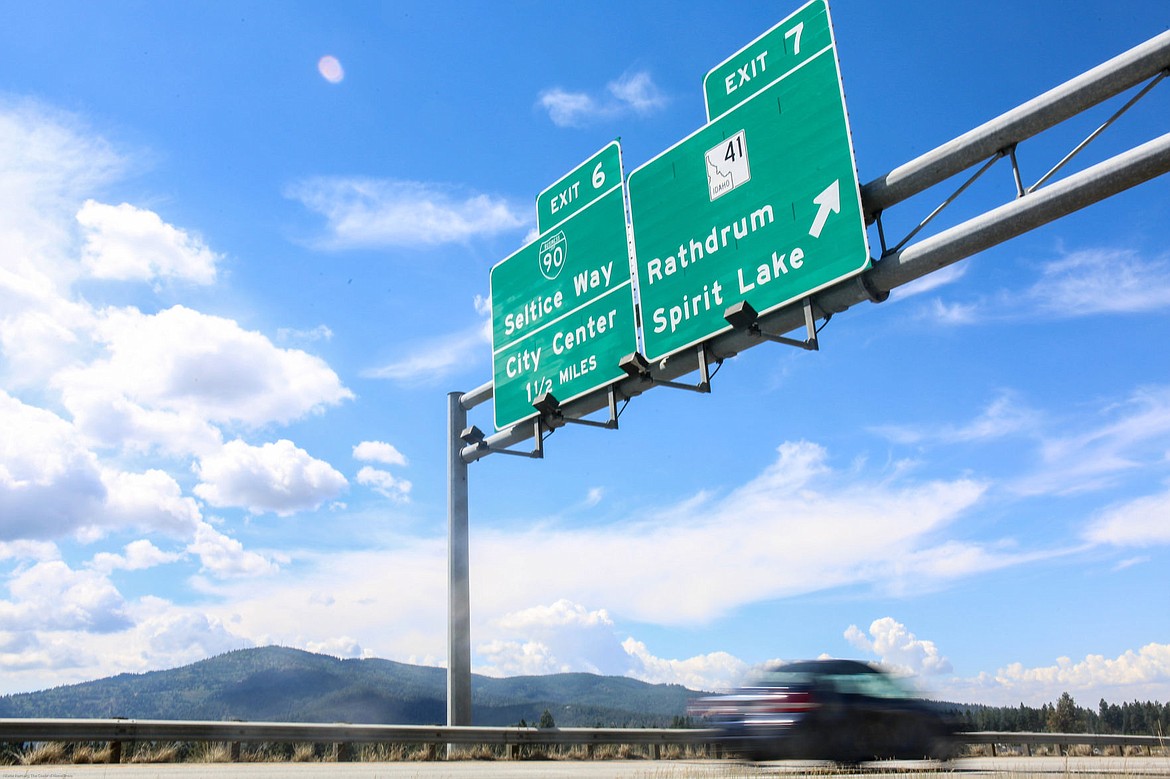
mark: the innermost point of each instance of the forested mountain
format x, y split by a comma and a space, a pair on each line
289, 685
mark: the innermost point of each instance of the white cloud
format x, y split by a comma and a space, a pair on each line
1120, 438
131, 244
151, 500
710, 672
225, 557
1102, 280
1144, 521
50, 484
898, 648
49, 161
365, 212
159, 635
564, 637
952, 313
568, 109
562, 613
1006, 415
1086, 282
516, 658
1142, 674
385, 484
797, 527
40, 551
379, 452
560, 637
342, 646
137, 556
638, 91
931, 281
52, 596
436, 360
633, 92
275, 477
318, 333
170, 375
396, 593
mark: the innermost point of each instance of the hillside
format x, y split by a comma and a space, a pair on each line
289, 685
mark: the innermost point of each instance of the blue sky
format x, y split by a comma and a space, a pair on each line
237, 281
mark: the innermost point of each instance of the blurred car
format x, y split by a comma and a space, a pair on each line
840, 710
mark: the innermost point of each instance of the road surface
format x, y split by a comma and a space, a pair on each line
967, 768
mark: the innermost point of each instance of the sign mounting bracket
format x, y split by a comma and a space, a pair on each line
742, 316
550, 410
473, 436
636, 365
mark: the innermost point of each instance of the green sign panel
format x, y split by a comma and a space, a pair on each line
761, 205
563, 307
587, 182
772, 56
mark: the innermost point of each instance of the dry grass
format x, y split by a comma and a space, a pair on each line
210, 752
51, 753
156, 753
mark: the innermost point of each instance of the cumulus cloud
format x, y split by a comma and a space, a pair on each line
152, 500
366, 212
342, 646
385, 483
564, 636
711, 672
1141, 674
176, 372
276, 477
29, 550
132, 244
378, 452
50, 484
559, 637
225, 557
137, 556
634, 92
52, 596
898, 648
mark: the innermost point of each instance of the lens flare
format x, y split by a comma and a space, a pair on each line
330, 69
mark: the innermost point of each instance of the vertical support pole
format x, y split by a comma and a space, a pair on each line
458, 584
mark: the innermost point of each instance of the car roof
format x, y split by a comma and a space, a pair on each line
834, 667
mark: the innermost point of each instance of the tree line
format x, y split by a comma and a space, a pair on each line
1149, 718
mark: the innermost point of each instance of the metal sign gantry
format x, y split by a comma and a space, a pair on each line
1031, 207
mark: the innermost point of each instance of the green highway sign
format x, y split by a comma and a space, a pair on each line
761, 205
580, 187
770, 57
563, 307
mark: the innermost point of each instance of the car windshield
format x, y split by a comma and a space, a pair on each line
875, 685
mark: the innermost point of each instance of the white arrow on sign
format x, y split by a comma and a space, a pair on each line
829, 200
